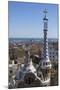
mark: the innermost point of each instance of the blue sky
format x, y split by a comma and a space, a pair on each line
26, 20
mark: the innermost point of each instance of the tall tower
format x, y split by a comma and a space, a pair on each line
45, 20
46, 59
45, 64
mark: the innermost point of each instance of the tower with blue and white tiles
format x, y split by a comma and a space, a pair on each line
45, 64
45, 30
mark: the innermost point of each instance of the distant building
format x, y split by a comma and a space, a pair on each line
53, 52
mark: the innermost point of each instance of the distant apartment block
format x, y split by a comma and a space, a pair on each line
53, 51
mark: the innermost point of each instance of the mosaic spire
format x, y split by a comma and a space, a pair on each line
45, 20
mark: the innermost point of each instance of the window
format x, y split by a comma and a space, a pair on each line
53, 56
50, 56
11, 71
40, 75
46, 63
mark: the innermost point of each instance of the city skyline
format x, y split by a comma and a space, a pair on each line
26, 19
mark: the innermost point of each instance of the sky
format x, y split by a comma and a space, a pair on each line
25, 20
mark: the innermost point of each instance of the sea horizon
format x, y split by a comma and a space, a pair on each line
32, 39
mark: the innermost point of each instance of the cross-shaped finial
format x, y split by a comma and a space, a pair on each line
45, 11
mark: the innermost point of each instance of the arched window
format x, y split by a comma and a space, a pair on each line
11, 71
46, 63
